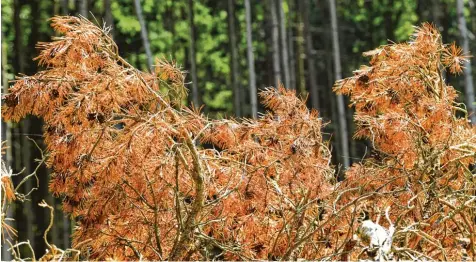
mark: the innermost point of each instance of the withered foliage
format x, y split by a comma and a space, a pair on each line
147, 178
424, 151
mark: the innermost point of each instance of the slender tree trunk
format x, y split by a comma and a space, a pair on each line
284, 45
309, 55
369, 6
33, 129
108, 16
292, 60
292, 57
19, 60
300, 78
169, 25
193, 55
24, 160
28, 207
275, 43
6, 136
64, 7
330, 104
446, 23
436, 13
389, 21
468, 77
6, 127
83, 7
338, 75
422, 10
251, 61
144, 34
235, 74
33, 38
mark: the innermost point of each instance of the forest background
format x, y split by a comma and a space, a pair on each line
230, 49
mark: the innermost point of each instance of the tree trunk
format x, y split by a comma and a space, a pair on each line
292, 57
6, 127
313, 88
6, 136
389, 22
193, 55
64, 7
446, 23
468, 77
66, 231
169, 25
284, 45
144, 34
436, 13
108, 16
33, 129
300, 78
235, 74
338, 75
251, 61
275, 43
19, 66
422, 10
330, 104
370, 26
83, 8
19, 59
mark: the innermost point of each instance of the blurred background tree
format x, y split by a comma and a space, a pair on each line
230, 49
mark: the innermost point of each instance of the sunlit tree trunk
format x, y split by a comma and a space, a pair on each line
108, 16
193, 55
338, 75
468, 77
235, 74
251, 61
6, 127
284, 46
275, 43
144, 34
313, 88
6, 136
